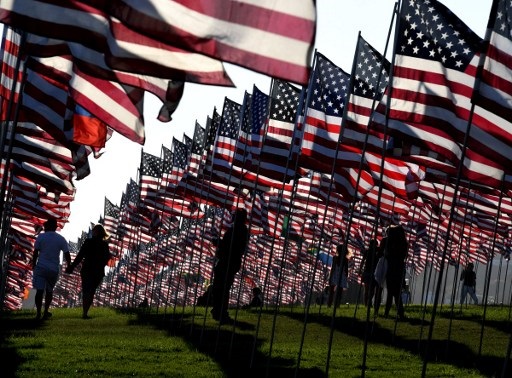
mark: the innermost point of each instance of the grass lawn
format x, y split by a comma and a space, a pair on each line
187, 342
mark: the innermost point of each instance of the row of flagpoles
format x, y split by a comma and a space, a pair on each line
355, 141
422, 140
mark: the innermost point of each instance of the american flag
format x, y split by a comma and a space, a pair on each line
326, 98
242, 147
187, 141
276, 151
32, 144
434, 75
48, 176
56, 78
279, 48
179, 161
258, 120
254, 136
94, 61
167, 199
369, 80
111, 214
200, 187
167, 159
114, 44
150, 176
227, 135
402, 178
41, 89
196, 157
212, 127
196, 152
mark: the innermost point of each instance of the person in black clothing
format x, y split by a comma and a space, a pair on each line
229, 260
468, 276
369, 262
395, 250
95, 255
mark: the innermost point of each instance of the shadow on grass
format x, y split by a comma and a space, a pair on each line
237, 351
11, 359
440, 351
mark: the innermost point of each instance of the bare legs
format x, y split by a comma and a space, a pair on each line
47, 302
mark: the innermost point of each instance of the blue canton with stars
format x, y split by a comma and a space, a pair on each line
230, 124
429, 30
284, 101
371, 76
329, 87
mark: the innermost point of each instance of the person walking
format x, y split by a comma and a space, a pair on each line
468, 278
229, 260
95, 255
395, 250
46, 265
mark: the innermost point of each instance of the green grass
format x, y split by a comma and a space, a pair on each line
181, 343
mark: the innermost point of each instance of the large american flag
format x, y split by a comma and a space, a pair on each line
436, 58
89, 30
236, 31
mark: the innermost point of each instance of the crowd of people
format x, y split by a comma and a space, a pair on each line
383, 266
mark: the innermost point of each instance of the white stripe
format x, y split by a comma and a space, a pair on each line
300, 8
177, 60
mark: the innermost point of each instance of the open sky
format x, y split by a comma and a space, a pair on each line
338, 25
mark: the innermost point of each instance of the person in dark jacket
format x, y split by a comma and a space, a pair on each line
395, 250
95, 255
468, 278
368, 272
229, 260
